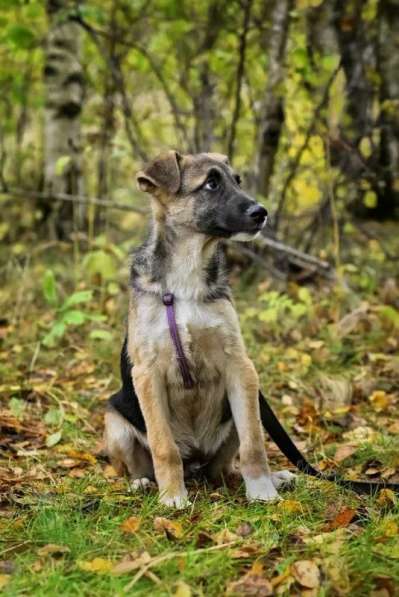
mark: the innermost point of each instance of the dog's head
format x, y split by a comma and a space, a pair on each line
203, 193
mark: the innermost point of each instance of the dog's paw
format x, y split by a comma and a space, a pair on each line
139, 484
262, 489
178, 501
280, 478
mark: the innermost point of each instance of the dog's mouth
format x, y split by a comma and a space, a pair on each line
249, 233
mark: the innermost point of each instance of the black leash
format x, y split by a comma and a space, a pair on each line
288, 448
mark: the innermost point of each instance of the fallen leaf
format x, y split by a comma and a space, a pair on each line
109, 472
225, 536
182, 589
52, 549
171, 528
290, 506
247, 551
53, 439
79, 455
380, 400
132, 562
131, 524
386, 497
98, 565
344, 452
342, 519
245, 529
250, 584
306, 573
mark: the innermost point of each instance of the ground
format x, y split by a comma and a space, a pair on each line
327, 358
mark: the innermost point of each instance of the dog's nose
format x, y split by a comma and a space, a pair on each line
257, 213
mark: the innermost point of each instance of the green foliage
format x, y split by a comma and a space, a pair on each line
65, 314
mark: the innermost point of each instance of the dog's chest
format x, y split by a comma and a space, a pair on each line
206, 333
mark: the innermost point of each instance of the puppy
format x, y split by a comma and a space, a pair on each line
189, 398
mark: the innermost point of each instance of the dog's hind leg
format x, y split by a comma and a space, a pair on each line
125, 451
222, 462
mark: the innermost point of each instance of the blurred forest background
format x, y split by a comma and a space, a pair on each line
303, 96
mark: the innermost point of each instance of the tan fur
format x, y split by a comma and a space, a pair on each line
180, 422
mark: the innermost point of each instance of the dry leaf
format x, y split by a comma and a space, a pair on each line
98, 565
182, 589
79, 455
247, 551
250, 584
225, 536
342, 519
380, 400
386, 497
131, 524
171, 528
306, 573
109, 472
131, 563
52, 549
344, 452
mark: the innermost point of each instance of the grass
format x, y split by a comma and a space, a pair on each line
68, 496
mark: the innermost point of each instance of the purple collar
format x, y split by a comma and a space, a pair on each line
168, 300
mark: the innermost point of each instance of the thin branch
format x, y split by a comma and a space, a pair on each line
304, 145
115, 69
23, 193
296, 256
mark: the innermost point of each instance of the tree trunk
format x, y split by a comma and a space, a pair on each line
369, 54
204, 102
272, 117
64, 99
388, 198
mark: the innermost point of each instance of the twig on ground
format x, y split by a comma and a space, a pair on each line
169, 556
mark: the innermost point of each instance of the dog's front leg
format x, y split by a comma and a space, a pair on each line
243, 389
168, 465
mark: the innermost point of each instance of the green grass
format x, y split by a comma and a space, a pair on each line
56, 495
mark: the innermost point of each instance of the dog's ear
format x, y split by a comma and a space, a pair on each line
162, 173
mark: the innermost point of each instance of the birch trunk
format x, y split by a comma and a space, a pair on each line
272, 117
64, 99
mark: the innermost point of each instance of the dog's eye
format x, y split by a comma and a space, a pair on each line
237, 178
212, 184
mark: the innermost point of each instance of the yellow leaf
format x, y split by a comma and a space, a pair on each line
172, 528
182, 589
80, 455
225, 536
131, 524
306, 573
4, 580
52, 549
290, 506
380, 400
386, 497
98, 565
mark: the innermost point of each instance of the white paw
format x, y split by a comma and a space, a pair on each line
261, 488
139, 484
282, 478
179, 501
